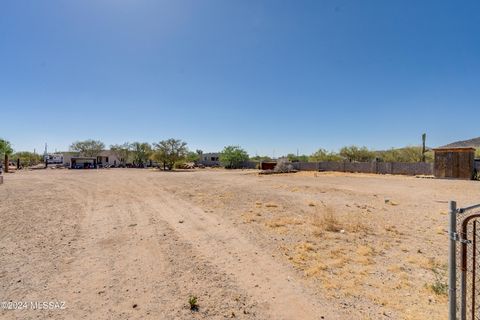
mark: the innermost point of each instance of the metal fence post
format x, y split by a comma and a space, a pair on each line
452, 266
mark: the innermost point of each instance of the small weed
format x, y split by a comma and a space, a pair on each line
193, 302
439, 288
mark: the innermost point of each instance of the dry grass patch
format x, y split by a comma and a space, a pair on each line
330, 221
283, 222
316, 269
365, 250
392, 229
355, 224
424, 262
327, 221
365, 254
396, 268
271, 205
441, 230
249, 217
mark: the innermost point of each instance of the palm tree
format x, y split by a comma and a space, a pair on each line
5, 149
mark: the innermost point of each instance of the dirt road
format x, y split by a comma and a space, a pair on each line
117, 245
137, 244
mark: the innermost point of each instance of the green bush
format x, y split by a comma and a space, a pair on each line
357, 154
324, 155
407, 154
232, 157
27, 158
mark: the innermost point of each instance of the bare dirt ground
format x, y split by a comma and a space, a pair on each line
136, 244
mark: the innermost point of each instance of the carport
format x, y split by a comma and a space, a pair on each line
83, 163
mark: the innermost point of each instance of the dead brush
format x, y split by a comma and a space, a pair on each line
329, 221
356, 224
283, 222
326, 221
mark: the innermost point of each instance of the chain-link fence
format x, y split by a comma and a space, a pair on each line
464, 264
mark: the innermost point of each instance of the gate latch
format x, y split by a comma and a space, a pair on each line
456, 237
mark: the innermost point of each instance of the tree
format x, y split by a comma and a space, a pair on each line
169, 152
141, 153
5, 150
406, 154
88, 148
294, 158
357, 154
412, 154
233, 157
192, 156
27, 158
324, 155
261, 158
122, 151
392, 155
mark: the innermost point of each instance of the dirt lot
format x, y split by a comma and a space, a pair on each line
136, 244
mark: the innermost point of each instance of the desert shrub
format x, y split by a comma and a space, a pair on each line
294, 158
261, 158
27, 158
357, 154
233, 157
331, 221
324, 155
440, 288
406, 154
327, 221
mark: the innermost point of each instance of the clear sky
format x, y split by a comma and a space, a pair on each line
266, 75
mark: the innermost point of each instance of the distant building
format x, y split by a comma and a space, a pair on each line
210, 159
104, 158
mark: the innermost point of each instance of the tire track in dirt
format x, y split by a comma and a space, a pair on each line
112, 275
128, 257
263, 278
189, 274
130, 264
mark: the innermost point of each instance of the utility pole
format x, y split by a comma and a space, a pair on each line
45, 156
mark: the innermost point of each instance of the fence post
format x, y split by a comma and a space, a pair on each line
452, 266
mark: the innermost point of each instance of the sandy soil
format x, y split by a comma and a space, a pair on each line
136, 244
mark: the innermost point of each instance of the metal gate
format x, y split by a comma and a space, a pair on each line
464, 262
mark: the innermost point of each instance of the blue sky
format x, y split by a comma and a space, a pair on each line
271, 76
